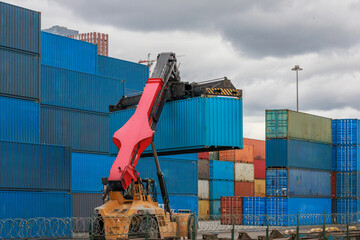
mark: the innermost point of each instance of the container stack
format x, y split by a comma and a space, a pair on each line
26, 190
203, 182
346, 166
298, 161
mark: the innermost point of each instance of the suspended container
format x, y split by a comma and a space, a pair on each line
287, 124
346, 158
220, 188
88, 170
82, 131
203, 166
347, 184
133, 74
63, 52
191, 125
283, 211
203, 189
70, 89
15, 205
20, 120
20, 28
244, 172
346, 131
282, 182
298, 154
19, 74
254, 211
231, 210
221, 170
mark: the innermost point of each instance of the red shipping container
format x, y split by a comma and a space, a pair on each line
245, 155
333, 184
203, 155
231, 208
227, 155
244, 189
259, 169
259, 147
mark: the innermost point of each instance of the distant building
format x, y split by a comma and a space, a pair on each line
99, 39
59, 30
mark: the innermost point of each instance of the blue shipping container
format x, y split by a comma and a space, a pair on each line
19, 120
66, 88
347, 184
346, 158
179, 203
283, 211
20, 28
135, 75
282, 182
193, 123
181, 176
34, 167
346, 131
19, 74
25, 205
220, 188
347, 210
215, 208
80, 130
298, 154
254, 211
221, 170
87, 171
67, 53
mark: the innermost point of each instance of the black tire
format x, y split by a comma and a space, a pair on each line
191, 227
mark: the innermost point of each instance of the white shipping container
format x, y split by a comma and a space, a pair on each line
244, 172
203, 189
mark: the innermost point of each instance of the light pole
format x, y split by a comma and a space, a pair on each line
297, 69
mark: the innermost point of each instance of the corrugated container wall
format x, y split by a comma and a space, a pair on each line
19, 74
209, 155
220, 188
333, 184
231, 209
215, 208
135, 75
221, 170
298, 154
22, 204
20, 120
298, 183
245, 155
204, 122
244, 189
82, 131
181, 203
227, 155
260, 187
347, 185
259, 147
254, 211
20, 28
203, 168
34, 167
347, 210
67, 53
296, 125
203, 189
346, 131
346, 158
66, 88
283, 211
204, 209
259, 169
181, 176
244, 172
87, 171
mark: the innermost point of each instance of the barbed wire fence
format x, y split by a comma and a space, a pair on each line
156, 227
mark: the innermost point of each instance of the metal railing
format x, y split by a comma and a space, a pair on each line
155, 227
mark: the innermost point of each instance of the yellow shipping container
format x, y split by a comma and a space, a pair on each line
259, 187
204, 209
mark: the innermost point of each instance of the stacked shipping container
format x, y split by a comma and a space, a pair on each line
346, 167
298, 161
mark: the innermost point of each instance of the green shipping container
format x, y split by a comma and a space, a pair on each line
297, 125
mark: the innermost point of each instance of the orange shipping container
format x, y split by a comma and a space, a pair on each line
227, 155
244, 189
259, 187
245, 155
259, 147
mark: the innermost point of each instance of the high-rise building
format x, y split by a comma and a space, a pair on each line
99, 39
60, 30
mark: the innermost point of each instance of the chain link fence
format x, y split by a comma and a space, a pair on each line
191, 227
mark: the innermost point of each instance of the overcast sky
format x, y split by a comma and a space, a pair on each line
253, 43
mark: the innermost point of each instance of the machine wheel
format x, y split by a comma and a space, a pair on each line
98, 229
154, 232
191, 227
139, 227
